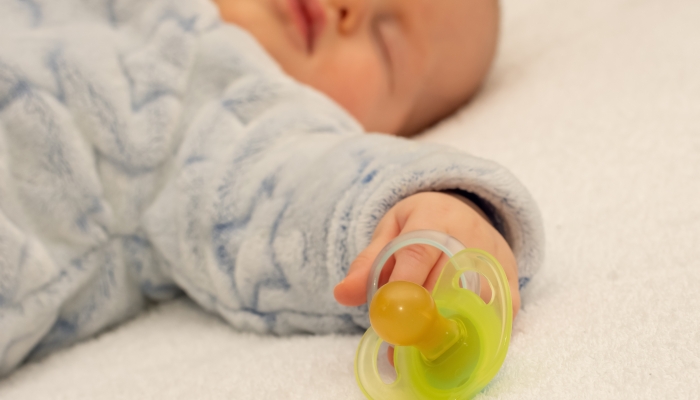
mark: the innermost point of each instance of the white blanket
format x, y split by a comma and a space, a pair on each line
596, 107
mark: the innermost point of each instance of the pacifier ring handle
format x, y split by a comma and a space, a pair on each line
446, 243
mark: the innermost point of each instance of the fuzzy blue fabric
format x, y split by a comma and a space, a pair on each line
147, 148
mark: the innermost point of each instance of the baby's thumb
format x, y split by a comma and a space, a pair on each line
352, 291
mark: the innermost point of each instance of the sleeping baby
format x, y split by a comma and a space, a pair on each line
219, 149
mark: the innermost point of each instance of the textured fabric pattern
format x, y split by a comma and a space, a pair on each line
146, 148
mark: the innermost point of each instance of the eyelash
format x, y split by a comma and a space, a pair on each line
381, 42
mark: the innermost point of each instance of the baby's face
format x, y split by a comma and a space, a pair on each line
396, 65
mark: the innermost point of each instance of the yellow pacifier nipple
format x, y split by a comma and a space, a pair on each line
404, 314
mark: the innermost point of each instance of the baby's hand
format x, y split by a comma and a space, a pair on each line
422, 264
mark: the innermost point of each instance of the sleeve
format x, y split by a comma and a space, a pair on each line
275, 190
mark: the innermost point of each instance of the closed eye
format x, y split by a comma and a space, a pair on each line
383, 46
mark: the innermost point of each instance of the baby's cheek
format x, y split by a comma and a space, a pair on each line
360, 87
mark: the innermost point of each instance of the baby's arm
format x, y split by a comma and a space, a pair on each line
439, 211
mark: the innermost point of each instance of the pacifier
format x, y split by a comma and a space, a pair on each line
448, 344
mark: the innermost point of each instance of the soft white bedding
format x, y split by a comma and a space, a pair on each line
595, 105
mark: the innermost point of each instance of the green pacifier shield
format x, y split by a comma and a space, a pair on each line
450, 355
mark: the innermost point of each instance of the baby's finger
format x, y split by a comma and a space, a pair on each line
352, 291
432, 278
414, 263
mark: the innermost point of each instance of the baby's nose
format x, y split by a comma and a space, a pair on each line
351, 14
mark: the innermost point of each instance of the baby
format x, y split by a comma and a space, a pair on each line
397, 66
218, 149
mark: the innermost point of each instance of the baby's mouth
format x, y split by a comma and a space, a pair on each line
309, 18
